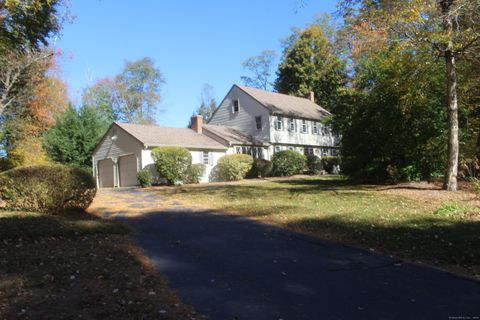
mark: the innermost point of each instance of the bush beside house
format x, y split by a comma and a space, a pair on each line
233, 167
195, 173
46, 188
314, 164
261, 168
287, 163
172, 163
145, 178
329, 163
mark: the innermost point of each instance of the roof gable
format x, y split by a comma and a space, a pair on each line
286, 105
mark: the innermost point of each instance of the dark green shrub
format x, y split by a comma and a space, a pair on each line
195, 173
260, 169
233, 167
145, 178
172, 163
46, 188
329, 162
314, 164
288, 162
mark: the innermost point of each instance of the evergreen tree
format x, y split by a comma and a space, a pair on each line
310, 63
72, 140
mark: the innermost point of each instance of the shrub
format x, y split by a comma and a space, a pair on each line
329, 162
145, 178
46, 188
314, 164
233, 167
172, 163
288, 163
260, 168
195, 172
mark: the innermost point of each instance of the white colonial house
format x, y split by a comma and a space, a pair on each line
248, 120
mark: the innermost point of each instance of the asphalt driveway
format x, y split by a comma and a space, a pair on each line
234, 268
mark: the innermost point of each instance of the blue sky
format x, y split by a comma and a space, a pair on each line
192, 43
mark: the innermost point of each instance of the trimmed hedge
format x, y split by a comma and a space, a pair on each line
233, 167
172, 163
195, 172
329, 162
144, 178
261, 168
287, 163
46, 188
314, 164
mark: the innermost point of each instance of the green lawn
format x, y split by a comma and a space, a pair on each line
78, 266
425, 228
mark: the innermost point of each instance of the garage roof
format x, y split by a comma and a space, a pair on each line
155, 136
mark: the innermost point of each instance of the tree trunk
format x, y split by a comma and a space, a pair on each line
450, 183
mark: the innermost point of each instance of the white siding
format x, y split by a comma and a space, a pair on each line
197, 157
245, 118
297, 137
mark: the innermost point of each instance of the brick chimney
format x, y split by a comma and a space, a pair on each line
197, 123
310, 96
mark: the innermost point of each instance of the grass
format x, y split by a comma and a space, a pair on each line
420, 227
78, 266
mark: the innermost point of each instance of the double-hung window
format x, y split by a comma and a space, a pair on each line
258, 122
315, 127
236, 106
278, 123
304, 126
291, 125
206, 157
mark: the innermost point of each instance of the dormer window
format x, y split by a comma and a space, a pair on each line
236, 106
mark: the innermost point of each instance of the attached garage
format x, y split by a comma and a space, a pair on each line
127, 168
106, 173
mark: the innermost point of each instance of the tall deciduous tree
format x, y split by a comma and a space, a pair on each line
448, 28
131, 96
208, 105
309, 64
28, 24
261, 68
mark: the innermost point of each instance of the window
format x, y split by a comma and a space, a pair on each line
290, 148
236, 106
279, 123
258, 122
238, 149
277, 149
315, 128
304, 126
308, 151
206, 157
291, 125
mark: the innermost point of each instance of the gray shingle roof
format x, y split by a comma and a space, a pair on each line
286, 105
232, 135
154, 136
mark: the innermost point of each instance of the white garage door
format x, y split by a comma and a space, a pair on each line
128, 170
105, 173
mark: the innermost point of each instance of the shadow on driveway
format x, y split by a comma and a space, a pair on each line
234, 268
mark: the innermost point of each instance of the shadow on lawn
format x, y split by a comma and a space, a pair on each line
449, 242
14, 225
